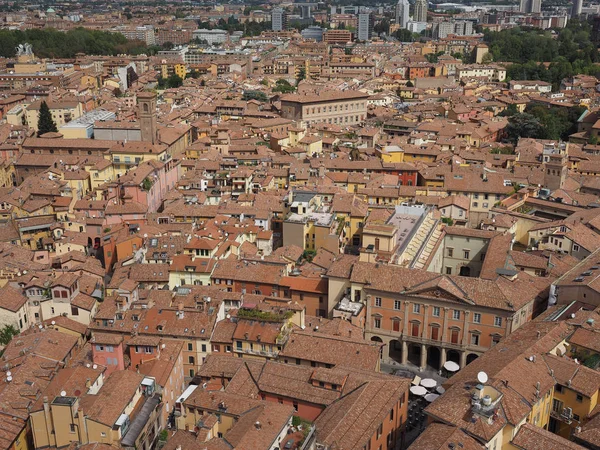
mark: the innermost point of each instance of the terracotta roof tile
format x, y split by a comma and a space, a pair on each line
530, 437
11, 299
334, 350
438, 436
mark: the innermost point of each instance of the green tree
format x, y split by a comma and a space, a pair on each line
511, 110
7, 333
524, 125
283, 86
557, 122
433, 57
404, 35
255, 95
355, 154
46, 123
487, 58
382, 27
301, 75
174, 81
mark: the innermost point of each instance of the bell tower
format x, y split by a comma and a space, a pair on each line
147, 115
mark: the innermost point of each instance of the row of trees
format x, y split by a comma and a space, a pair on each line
540, 55
50, 43
251, 28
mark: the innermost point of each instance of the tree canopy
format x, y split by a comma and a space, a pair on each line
173, 81
51, 43
283, 86
255, 95
7, 333
539, 55
542, 122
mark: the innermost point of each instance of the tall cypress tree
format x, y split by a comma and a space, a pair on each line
45, 122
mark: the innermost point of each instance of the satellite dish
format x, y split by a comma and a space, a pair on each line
94, 366
88, 365
9, 379
41, 326
482, 377
9, 373
63, 393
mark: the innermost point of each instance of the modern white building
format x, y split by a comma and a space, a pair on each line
365, 26
402, 13
458, 27
416, 27
278, 19
211, 36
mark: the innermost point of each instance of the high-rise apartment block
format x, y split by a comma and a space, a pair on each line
278, 19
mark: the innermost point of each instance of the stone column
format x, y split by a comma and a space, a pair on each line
442, 357
425, 322
423, 357
406, 312
404, 352
463, 359
445, 324
465, 340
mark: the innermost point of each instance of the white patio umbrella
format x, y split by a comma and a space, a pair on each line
428, 383
440, 390
431, 397
418, 390
451, 366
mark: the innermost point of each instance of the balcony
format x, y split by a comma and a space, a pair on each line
561, 416
128, 162
264, 353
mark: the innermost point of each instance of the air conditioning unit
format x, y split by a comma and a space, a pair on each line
567, 413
